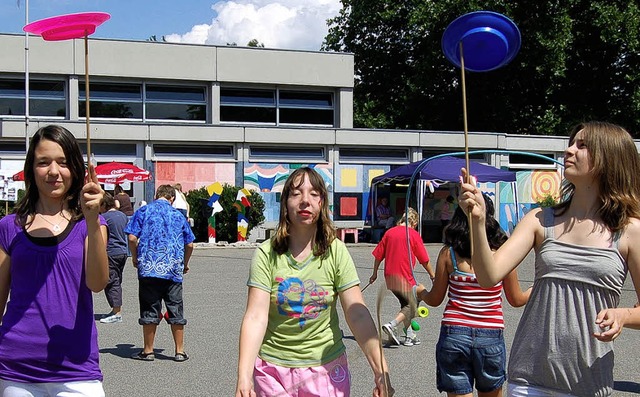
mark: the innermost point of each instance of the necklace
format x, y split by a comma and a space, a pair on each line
55, 226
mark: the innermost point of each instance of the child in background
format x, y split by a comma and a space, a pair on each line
471, 348
400, 260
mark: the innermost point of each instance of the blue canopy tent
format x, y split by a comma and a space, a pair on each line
437, 171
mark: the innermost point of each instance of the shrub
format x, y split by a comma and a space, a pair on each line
227, 219
547, 201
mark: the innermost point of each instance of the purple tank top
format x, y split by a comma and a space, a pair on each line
48, 333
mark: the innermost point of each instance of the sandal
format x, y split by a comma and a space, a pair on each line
180, 357
142, 356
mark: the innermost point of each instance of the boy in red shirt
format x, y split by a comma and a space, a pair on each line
398, 271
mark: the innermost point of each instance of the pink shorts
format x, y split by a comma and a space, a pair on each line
332, 379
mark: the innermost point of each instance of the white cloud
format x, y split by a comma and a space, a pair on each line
291, 24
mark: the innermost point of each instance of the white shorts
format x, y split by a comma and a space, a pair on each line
88, 388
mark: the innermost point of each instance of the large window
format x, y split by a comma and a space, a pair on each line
114, 101
145, 102
276, 107
46, 98
247, 106
175, 103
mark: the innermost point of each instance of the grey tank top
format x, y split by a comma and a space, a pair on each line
553, 346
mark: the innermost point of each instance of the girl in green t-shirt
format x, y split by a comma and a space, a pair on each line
290, 329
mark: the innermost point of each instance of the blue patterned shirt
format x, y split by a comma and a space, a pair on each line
162, 233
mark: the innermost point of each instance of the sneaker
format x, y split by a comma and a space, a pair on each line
411, 341
111, 318
388, 329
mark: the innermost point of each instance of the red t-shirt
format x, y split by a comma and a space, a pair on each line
393, 250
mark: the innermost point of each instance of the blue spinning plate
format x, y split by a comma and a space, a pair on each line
490, 41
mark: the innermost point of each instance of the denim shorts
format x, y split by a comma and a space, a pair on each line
465, 355
151, 293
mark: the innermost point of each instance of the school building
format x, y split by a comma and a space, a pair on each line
199, 114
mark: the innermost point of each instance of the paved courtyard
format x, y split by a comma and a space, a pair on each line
215, 297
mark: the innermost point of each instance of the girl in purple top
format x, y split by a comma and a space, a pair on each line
52, 256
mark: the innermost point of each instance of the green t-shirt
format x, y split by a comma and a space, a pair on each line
303, 328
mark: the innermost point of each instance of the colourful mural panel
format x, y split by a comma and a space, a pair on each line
268, 180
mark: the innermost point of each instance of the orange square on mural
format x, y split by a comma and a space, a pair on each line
348, 206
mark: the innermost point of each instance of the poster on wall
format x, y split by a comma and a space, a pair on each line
8, 187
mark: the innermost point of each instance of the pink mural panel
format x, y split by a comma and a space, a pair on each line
192, 175
348, 206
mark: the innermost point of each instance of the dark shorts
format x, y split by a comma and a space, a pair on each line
465, 355
151, 293
406, 308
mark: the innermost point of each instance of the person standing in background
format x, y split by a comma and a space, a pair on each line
123, 201
180, 203
161, 243
117, 252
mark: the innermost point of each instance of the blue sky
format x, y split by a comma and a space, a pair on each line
293, 24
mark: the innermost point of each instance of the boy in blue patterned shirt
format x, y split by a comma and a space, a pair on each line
161, 243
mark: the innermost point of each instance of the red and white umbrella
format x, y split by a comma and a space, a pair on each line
117, 173
18, 176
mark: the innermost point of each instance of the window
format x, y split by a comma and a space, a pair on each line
46, 98
276, 107
145, 102
307, 153
175, 103
9, 148
473, 156
247, 106
306, 108
374, 155
166, 151
116, 101
523, 161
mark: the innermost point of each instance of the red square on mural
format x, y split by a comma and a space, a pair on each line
348, 206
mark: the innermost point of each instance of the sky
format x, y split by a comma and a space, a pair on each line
286, 24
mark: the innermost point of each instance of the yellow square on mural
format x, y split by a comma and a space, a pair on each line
374, 173
349, 177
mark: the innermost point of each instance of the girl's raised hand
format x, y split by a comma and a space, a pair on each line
470, 198
91, 196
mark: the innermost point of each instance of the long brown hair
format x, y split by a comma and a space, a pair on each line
616, 167
75, 162
325, 232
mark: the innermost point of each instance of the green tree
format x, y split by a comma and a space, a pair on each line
255, 43
579, 60
227, 219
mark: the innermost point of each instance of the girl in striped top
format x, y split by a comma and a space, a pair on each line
471, 348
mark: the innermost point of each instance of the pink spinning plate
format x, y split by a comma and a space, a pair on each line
69, 26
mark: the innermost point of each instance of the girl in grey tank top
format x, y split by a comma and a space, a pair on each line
584, 247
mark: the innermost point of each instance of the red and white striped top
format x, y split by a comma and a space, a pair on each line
469, 304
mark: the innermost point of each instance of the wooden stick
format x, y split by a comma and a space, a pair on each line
86, 93
466, 135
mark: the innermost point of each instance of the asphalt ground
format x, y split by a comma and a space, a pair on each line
215, 297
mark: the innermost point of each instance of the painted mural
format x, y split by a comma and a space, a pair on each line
193, 175
268, 180
531, 188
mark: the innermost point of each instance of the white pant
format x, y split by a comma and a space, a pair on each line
89, 388
532, 391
